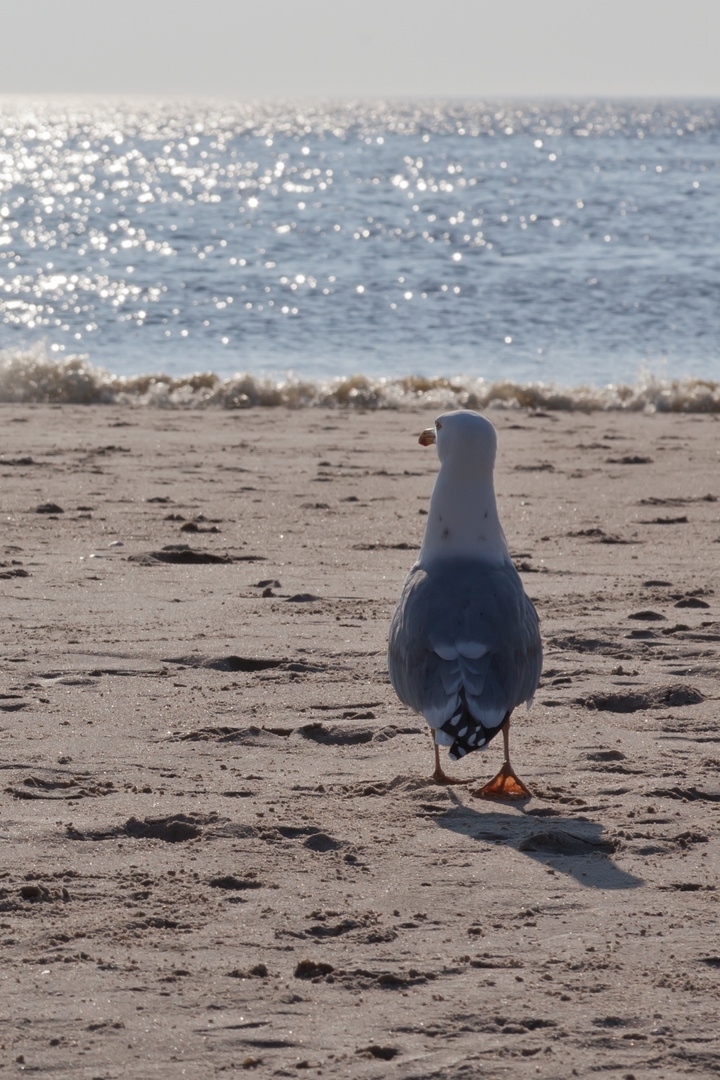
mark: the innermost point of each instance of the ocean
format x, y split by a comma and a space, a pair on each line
559, 254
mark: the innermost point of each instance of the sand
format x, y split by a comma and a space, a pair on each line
221, 852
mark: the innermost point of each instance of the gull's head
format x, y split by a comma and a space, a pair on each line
463, 438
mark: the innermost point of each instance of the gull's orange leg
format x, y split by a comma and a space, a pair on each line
507, 784
439, 776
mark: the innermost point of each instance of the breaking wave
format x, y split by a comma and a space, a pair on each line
31, 376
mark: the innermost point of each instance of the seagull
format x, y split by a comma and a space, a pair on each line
465, 646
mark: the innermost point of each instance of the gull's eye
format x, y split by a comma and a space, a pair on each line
438, 426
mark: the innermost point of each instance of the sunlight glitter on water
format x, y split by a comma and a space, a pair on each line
503, 240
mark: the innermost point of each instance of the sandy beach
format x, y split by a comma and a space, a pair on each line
221, 850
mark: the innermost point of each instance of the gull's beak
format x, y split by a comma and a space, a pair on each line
428, 437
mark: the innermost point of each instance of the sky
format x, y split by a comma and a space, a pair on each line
362, 48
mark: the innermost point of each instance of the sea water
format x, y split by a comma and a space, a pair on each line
361, 251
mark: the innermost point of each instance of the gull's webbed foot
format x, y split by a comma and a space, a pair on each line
506, 785
441, 777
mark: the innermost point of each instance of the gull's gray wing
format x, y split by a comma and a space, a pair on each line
464, 636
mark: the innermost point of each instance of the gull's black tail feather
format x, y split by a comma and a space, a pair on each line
468, 733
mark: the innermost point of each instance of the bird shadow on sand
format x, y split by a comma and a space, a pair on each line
574, 846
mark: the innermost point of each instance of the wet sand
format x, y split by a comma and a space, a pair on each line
221, 852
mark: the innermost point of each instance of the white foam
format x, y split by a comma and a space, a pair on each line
30, 375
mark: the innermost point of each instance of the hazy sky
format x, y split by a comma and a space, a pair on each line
346, 48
